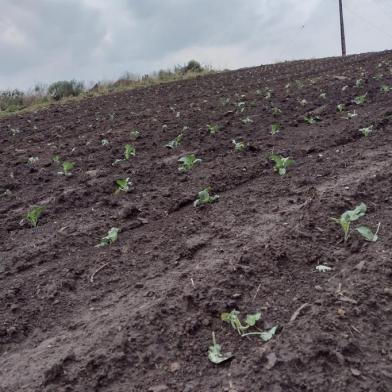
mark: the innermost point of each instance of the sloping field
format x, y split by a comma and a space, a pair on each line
138, 314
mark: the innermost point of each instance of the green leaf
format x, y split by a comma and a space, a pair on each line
130, 151
215, 354
367, 233
175, 142
110, 238
187, 162
33, 215
267, 335
251, 319
123, 185
355, 214
67, 167
204, 197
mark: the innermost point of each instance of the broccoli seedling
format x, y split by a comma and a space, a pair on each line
175, 142
366, 131
276, 111
105, 142
187, 162
213, 129
56, 159
368, 234
350, 216
123, 185
215, 354
130, 151
33, 216
67, 167
247, 120
275, 128
359, 83
240, 106
32, 160
110, 238
281, 163
239, 146
340, 107
135, 134
360, 100
204, 197
323, 95
312, 119
385, 88
233, 319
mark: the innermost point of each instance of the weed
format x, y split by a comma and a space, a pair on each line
204, 197
187, 162
110, 238
366, 131
350, 216
215, 354
33, 216
175, 142
213, 129
281, 163
123, 185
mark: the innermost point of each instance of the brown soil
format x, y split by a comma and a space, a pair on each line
143, 321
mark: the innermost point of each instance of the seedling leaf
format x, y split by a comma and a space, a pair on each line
368, 234
130, 151
204, 197
251, 319
33, 216
267, 335
215, 354
110, 238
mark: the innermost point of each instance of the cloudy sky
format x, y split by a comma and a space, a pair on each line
48, 40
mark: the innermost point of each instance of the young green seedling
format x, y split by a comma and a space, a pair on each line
340, 107
239, 146
213, 129
110, 238
276, 111
33, 216
385, 88
204, 197
130, 151
233, 319
187, 162
67, 167
123, 185
215, 354
247, 120
351, 115
135, 134
175, 142
359, 83
281, 163
275, 128
350, 216
368, 234
361, 99
56, 159
366, 131
312, 119
240, 106
105, 142
32, 160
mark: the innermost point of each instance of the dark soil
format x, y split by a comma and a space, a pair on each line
138, 315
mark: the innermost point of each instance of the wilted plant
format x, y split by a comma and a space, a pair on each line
275, 128
123, 185
187, 162
215, 354
130, 151
361, 99
213, 129
204, 197
33, 216
110, 238
239, 146
281, 163
175, 142
366, 131
350, 216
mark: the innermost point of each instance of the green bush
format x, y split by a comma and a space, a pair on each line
64, 88
193, 66
11, 100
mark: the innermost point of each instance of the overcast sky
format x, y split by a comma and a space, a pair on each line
49, 40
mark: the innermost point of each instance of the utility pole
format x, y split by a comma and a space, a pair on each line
342, 35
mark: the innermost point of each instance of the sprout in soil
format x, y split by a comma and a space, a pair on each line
215, 354
239, 146
281, 163
67, 167
175, 142
123, 185
187, 162
110, 238
204, 197
312, 119
33, 216
360, 100
350, 216
130, 151
213, 129
366, 131
275, 128
247, 120
340, 107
